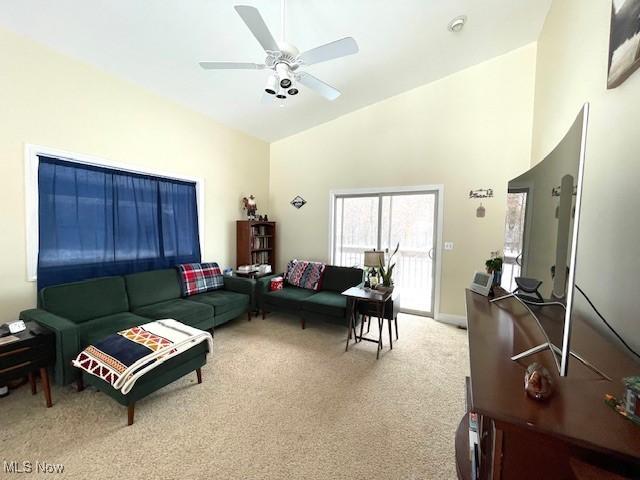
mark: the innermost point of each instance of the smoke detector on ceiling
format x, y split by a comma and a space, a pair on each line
457, 24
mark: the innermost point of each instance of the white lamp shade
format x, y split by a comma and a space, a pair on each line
373, 259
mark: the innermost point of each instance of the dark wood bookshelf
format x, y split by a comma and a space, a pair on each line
255, 243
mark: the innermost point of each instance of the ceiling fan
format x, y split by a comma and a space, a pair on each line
284, 60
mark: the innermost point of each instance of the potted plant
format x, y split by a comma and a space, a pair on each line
386, 272
494, 266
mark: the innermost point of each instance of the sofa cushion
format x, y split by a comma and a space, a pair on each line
98, 328
326, 303
198, 278
222, 301
184, 311
145, 288
288, 297
82, 301
304, 274
339, 279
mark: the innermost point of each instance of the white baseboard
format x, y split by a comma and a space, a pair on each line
457, 320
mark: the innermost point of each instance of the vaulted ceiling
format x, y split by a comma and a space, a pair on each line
158, 43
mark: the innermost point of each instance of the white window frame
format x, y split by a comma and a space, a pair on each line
31, 165
439, 188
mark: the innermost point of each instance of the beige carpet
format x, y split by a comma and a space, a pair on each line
277, 402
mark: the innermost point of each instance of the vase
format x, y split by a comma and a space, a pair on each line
497, 278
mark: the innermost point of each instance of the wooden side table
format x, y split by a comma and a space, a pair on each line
375, 301
33, 352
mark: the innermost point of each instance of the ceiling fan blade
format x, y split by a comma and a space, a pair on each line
321, 88
329, 51
251, 16
230, 66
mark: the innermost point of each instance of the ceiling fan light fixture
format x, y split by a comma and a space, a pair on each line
272, 85
457, 24
284, 74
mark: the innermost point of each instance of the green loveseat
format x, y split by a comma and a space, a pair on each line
82, 312
326, 304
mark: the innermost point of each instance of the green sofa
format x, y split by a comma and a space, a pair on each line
82, 312
326, 304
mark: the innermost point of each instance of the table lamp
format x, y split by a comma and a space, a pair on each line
373, 259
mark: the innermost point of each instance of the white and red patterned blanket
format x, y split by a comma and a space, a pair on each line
122, 358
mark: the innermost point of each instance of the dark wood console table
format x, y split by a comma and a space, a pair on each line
572, 432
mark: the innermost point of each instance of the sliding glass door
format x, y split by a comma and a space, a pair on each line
382, 221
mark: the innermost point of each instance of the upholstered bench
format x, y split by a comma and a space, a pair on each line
166, 372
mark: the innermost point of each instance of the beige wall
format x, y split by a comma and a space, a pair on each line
52, 100
572, 69
470, 130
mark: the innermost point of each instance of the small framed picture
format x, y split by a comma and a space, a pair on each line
624, 41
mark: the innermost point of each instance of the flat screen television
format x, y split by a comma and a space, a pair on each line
541, 235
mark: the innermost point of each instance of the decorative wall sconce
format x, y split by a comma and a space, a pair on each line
481, 211
481, 193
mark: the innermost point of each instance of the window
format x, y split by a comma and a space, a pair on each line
96, 221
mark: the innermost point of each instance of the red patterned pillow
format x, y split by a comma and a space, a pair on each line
304, 274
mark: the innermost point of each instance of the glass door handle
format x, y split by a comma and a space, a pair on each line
518, 259
430, 253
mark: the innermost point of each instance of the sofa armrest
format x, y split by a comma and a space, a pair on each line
241, 285
67, 342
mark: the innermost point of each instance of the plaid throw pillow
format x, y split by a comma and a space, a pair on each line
199, 278
304, 274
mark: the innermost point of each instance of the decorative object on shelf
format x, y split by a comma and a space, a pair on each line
250, 206
624, 41
619, 406
372, 260
482, 283
481, 193
298, 202
629, 405
538, 382
494, 267
276, 283
386, 272
632, 396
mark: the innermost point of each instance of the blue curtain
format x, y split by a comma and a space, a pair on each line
97, 221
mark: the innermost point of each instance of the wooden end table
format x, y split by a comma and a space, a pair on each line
33, 352
373, 298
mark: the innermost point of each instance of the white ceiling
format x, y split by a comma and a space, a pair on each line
158, 43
